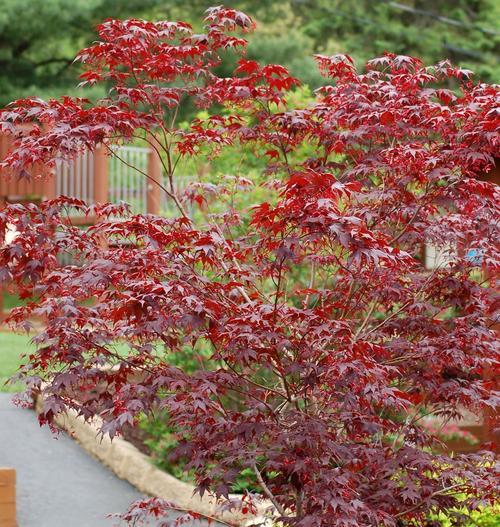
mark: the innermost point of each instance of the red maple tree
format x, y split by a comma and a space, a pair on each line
328, 338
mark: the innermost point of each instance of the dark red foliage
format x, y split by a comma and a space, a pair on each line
329, 340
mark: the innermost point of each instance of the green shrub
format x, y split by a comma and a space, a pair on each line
484, 517
161, 440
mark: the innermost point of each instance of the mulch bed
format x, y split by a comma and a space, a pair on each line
137, 437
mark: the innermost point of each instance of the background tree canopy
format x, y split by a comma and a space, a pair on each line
39, 38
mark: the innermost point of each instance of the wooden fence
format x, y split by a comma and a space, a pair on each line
95, 177
76, 179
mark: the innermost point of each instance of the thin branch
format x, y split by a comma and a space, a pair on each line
437, 493
366, 319
153, 180
53, 60
256, 384
403, 307
311, 282
235, 263
278, 288
210, 519
266, 490
407, 226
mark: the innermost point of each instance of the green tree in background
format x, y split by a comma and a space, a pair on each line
39, 38
465, 31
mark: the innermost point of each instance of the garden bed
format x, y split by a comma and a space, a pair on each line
127, 457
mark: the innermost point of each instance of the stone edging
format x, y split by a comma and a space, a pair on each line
130, 464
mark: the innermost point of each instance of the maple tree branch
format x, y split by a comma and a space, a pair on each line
266, 490
311, 282
407, 226
210, 519
441, 492
146, 175
254, 383
366, 319
277, 292
235, 263
403, 307
299, 503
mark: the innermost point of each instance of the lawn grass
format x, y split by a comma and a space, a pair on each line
10, 301
12, 346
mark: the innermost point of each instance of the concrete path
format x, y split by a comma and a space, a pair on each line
58, 483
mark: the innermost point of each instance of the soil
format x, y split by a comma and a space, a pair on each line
137, 437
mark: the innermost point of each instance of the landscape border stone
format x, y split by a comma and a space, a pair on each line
130, 464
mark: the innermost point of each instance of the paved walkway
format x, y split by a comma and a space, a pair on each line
58, 483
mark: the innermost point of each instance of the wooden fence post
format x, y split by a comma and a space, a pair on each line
153, 190
491, 416
101, 175
7, 497
49, 188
